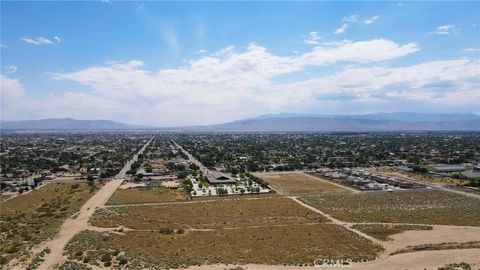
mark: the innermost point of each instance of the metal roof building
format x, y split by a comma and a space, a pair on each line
215, 177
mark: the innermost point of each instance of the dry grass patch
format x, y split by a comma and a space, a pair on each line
439, 246
288, 245
300, 183
31, 218
4, 197
153, 195
383, 232
417, 207
207, 214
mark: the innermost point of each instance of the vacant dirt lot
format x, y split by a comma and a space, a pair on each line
153, 195
300, 184
207, 214
29, 219
288, 245
417, 207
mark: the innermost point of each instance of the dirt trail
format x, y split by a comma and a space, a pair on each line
73, 226
414, 261
79, 222
346, 225
424, 260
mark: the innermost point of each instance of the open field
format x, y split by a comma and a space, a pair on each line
153, 195
300, 183
289, 245
207, 214
417, 207
31, 218
383, 232
4, 196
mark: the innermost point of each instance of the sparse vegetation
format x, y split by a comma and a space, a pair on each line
36, 216
383, 232
289, 245
300, 183
440, 246
421, 207
152, 195
456, 266
207, 214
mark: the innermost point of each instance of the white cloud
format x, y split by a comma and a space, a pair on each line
352, 18
360, 52
201, 51
445, 29
312, 38
218, 86
342, 29
471, 49
11, 69
438, 85
42, 40
11, 89
230, 84
12, 98
371, 20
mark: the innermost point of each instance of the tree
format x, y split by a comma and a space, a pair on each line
131, 172
420, 169
182, 175
187, 185
222, 191
90, 180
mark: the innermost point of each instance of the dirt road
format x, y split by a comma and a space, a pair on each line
336, 221
79, 222
414, 261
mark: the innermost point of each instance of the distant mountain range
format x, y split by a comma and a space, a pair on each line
397, 116
67, 124
284, 122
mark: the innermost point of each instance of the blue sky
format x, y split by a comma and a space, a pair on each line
184, 63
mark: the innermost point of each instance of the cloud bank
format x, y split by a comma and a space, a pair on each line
231, 84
